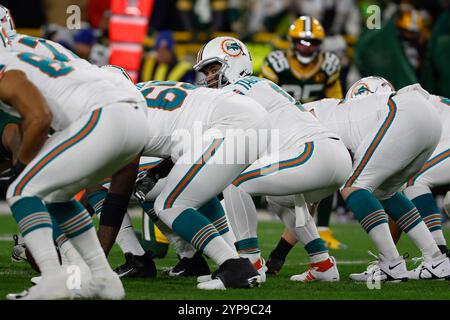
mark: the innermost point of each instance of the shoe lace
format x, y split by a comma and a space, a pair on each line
417, 261
372, 264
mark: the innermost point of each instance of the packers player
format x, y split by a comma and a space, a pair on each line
304, 70
307, 73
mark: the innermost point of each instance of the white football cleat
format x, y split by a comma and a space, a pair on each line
260, 266
325, 270
363, 276
214, 284
437, 268
49, 288
384, 270
108, 287
205, 278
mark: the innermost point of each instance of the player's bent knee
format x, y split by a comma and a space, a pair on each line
346, 192
416, 190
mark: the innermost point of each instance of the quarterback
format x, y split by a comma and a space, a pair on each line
309, 163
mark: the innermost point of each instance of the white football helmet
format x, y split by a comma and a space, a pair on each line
369, 85
7, 22
231, 53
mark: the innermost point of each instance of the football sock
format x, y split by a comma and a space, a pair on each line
213, 210
35, 226
372, 217
58, 236
76, 223
180, 246
407, 217
324, 211
195, 228
96, 200
431, 215
249, 248
281, 250
127, 239
317, 250
307, 235
70, 256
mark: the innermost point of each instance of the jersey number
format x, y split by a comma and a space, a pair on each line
305, 94
33, 42
166, 95
278, 61
52, 68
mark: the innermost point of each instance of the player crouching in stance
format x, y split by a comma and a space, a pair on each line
308, 162
435, 172
391, 135
88, 112
211, 136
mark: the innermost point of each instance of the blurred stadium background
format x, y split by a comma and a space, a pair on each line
159, 39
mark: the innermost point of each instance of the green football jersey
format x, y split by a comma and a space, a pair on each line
317, 80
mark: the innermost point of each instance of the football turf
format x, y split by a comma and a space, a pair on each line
14, 277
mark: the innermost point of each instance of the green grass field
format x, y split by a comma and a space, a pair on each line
14, 277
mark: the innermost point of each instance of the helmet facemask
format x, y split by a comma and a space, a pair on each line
7, 22
217, 79
306, 50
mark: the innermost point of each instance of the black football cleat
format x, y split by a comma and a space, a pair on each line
190, 267
137, 266
233, 273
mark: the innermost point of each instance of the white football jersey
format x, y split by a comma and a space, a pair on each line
442, 106
351, 119
46, 48
296, 126
175, 109
70, 91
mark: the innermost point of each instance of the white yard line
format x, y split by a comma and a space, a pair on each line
6, 237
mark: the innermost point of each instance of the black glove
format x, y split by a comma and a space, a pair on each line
147, 179
8, 176
145, 182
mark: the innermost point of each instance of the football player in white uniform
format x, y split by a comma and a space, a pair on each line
308, 161
39, 46
435, 172
391, 136
89, 113
54, 51
211, 136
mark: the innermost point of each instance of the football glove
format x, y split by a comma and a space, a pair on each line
8, 176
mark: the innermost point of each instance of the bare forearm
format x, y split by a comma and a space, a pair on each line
34, 136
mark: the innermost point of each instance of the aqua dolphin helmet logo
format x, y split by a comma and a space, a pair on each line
362, 90
231, 48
